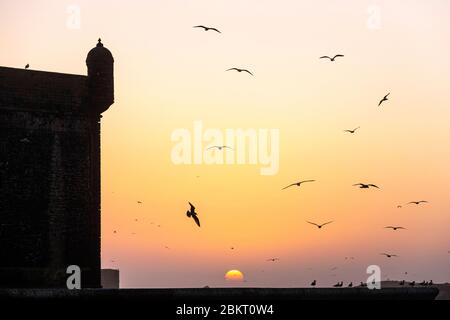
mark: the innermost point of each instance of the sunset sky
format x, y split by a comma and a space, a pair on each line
168, 75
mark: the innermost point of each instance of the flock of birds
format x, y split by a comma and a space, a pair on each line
192, 214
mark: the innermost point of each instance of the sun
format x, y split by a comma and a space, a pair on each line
234, 275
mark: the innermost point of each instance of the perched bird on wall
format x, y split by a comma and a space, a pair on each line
27, 66
350, 285
313, 284
192, 214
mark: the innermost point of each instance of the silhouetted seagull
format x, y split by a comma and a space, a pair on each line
339, 284
297, 183
366, 186
385, 98
139, 202
313, 284
207, 28
27, 66
192, 214
350, 284
273, 259
331, 59
395, 228
402, 283
319, 225
240, 70
220, 147
417, 202
412, 284
388, 255
352, 131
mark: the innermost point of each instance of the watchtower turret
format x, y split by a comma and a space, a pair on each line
100, 63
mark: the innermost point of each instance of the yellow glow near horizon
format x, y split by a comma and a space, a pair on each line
234, 275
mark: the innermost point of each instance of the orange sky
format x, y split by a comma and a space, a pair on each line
168, 75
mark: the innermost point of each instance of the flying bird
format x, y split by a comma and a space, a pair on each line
297, 184
352, 131
273, 259
207, 28
417, 202
220, 147
351, 258
395, 228
240, 70
27, 66
388, 255
399, 207
139, 202
385, 98
319, 225
192, 214
331, 59
366, 186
